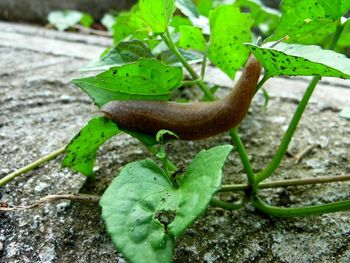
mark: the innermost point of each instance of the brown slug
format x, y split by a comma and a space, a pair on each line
190, 121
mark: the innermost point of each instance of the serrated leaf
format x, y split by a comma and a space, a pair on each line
143, 79
229, 30
169, 58
301, 60
81, 151
157, 13
309, 21
133, 203
345, 113
125, 52
192, 38
63, 20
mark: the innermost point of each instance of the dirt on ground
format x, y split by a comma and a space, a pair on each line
40, 111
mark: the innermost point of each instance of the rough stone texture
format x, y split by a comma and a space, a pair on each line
37, 10
40, 112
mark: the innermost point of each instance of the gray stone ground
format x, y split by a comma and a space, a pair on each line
40, 112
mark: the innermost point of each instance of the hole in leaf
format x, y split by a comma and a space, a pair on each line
165, 217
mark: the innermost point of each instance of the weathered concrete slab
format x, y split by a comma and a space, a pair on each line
40, 112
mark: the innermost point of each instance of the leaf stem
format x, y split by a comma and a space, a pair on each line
273, 165
35, 164
226, 205
287, 183
234, 134
204, 64
171, 45
245, 159
300, 211
276, 160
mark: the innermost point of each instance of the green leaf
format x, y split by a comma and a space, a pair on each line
345, 113
178, 21
145, 139
140, 204
192, 38
108, 21
143, 79
229, 30
130, 25
125, 52
161, 134
169, 58
301, 60
204, 7
265, 18
157, 13
86, 20
63, 20
81, 151
309, 21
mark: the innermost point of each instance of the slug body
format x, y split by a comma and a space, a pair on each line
190, 121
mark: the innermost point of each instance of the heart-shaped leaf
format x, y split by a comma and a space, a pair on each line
301, 60
229, 30
143, 79
143, 211
157, 13
309, 21
192, 38
81, 151
125, 52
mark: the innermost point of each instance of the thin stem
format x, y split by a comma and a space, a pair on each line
226, 205
301, 211
236, 139
244, 158
261, 82
204, 64
276, 160
171, 45
190, 82
167, 163
273, 165
287, 183
37, 163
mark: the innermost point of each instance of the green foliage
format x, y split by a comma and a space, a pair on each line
157, 13
169, 58
130, 25
229, 30
144, 211
309, 21
192, 38
301, 60
63, 20
123, 53
81, 151
147, 207
143, 79
264, 18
